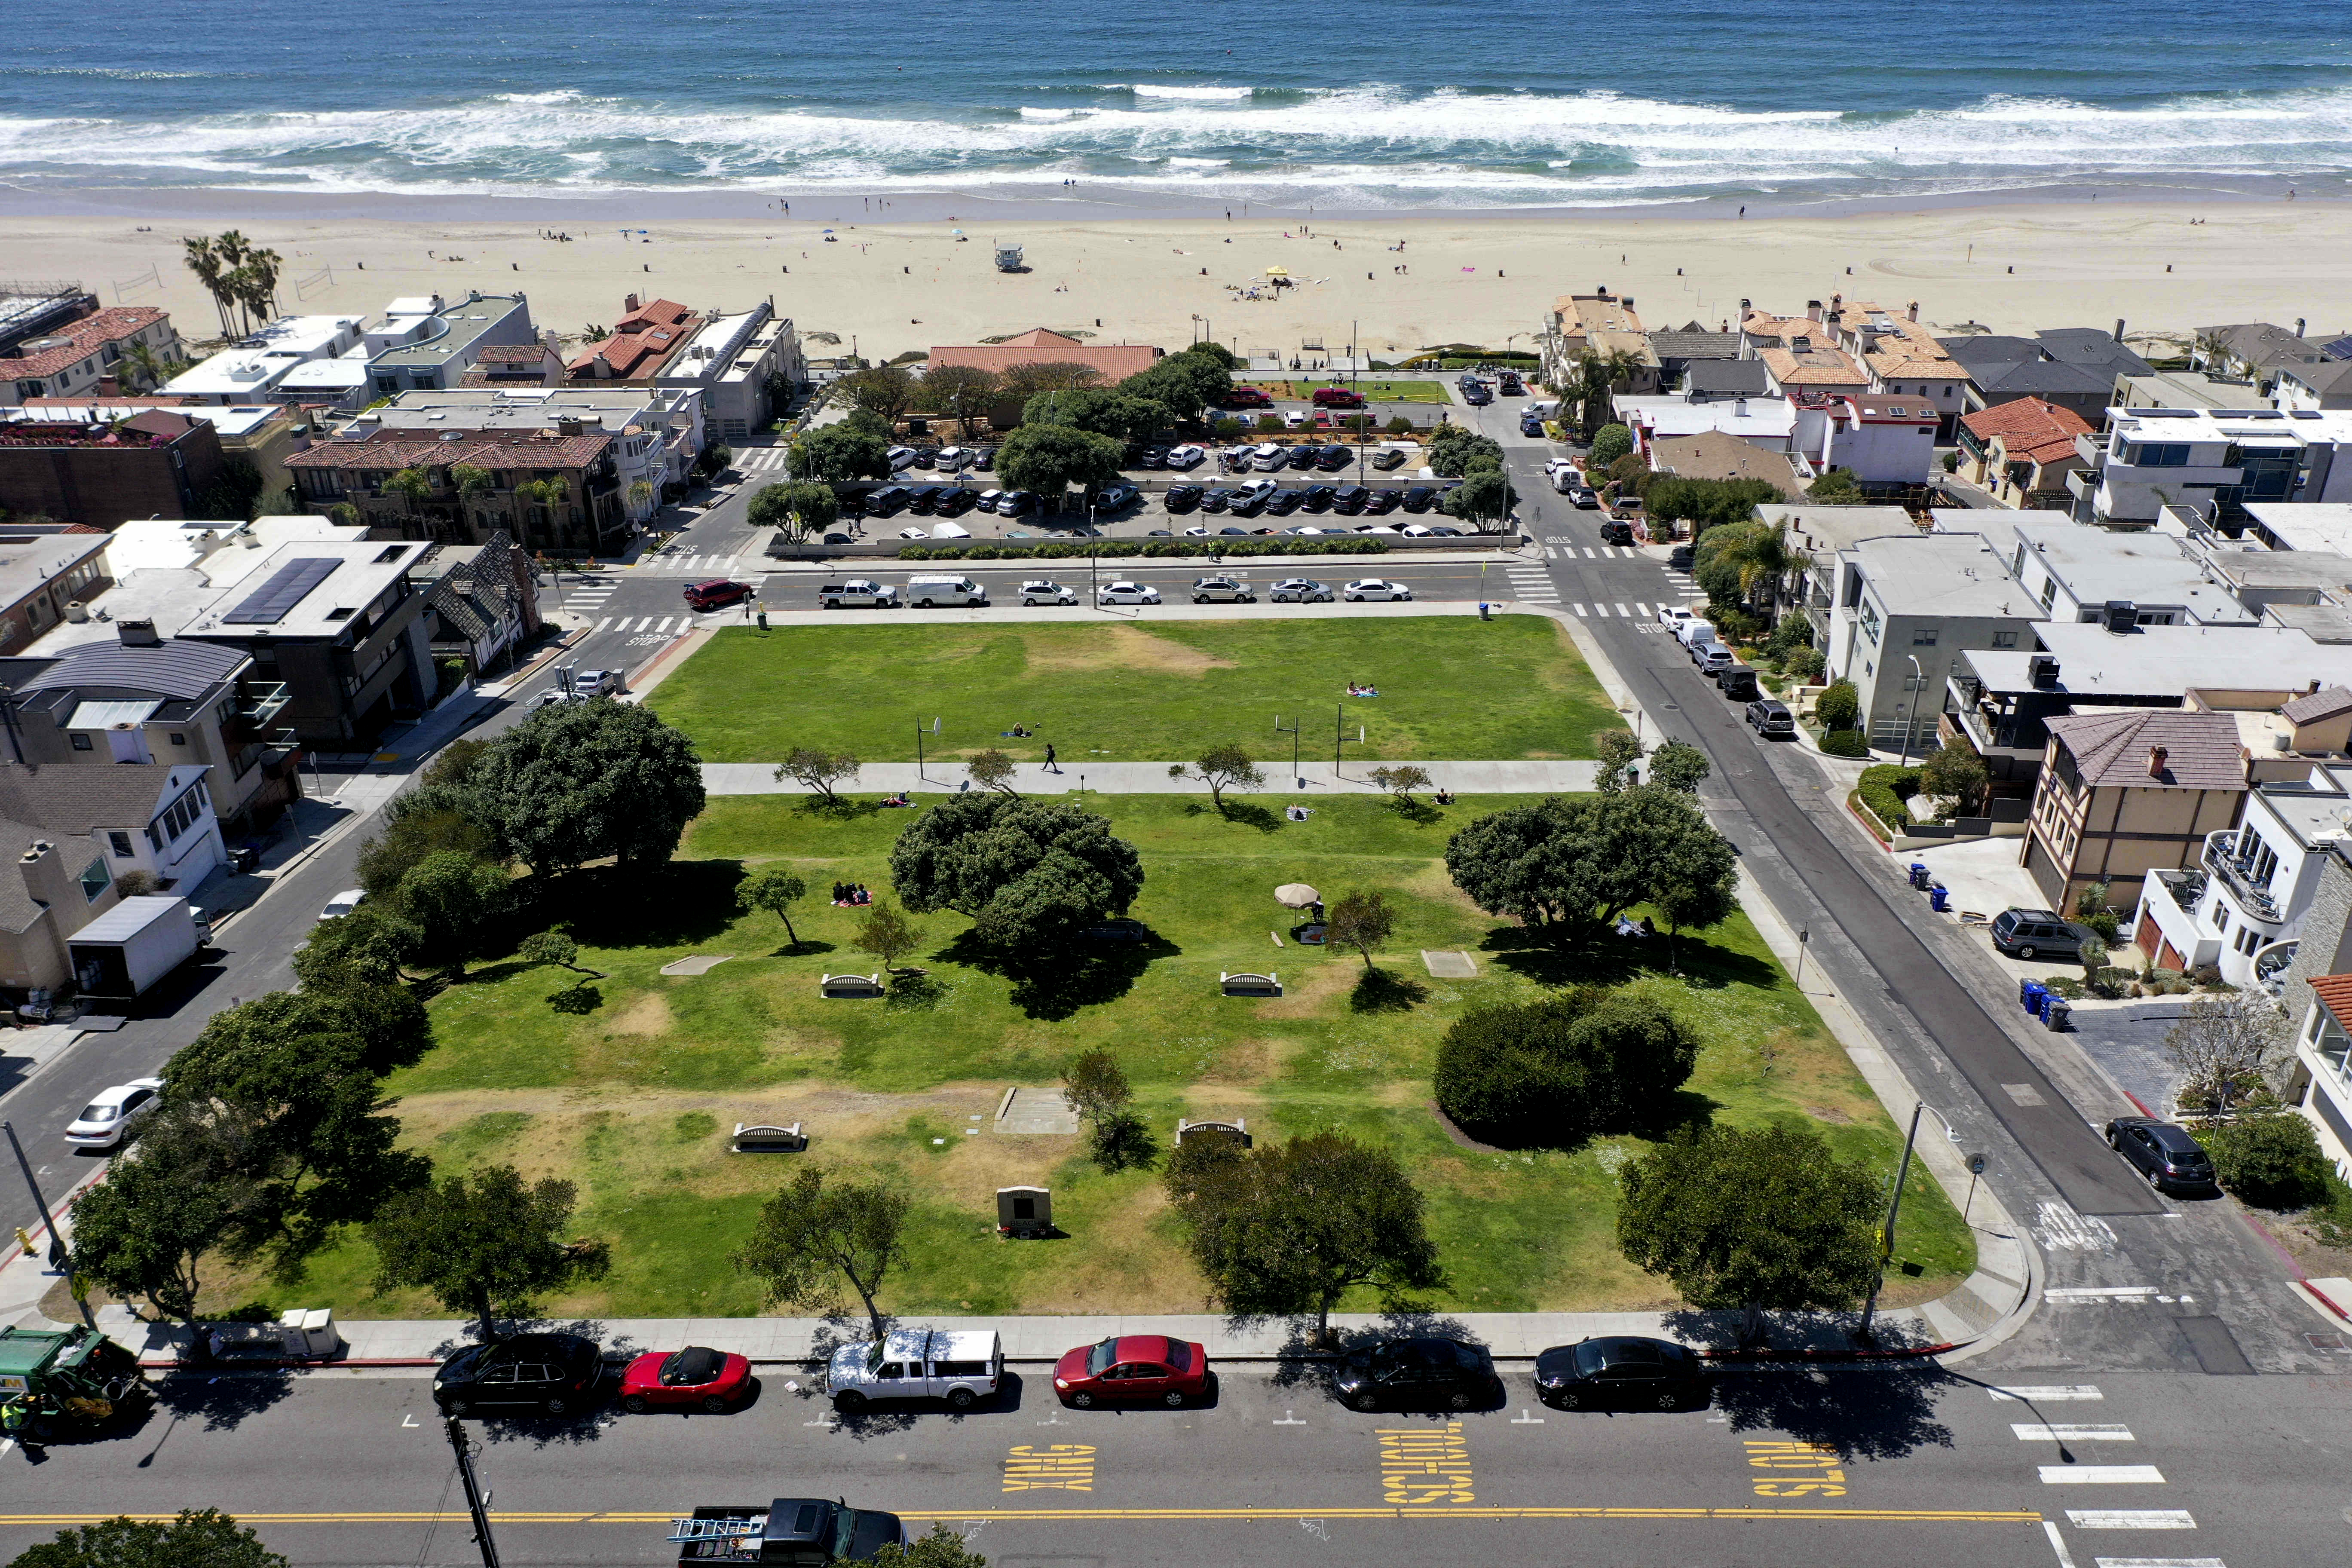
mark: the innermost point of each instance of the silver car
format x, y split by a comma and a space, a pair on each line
1044, 591
1300, 591
1222, 590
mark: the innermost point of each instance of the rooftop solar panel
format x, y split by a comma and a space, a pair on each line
269, 604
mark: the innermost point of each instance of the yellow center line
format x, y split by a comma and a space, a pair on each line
1743, 1515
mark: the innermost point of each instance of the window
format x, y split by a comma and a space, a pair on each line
1923, 636
120, 842
2153, 454
2049, 591
96, 879
2004, 639
81, 742
178, 738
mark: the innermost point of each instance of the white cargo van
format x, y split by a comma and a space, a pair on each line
923, 593
961, 1366
1692, 632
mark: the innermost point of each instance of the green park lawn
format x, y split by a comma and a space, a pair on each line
1452, 688
633, 1100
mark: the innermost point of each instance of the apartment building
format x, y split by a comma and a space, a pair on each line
659, 431
45, 576
162, 463
745, 366
2215, 462
250, 371
2126, 793
96, 355
1903, 608
555, 487
426, 343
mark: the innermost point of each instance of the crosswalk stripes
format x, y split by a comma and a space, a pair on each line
760, 459
602, 623
1587, 552
2043, 1432
2130, 1518
2102, 1474
2043, 1393
1580, 610
2158, 1562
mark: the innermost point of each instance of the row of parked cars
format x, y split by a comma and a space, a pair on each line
1271, 457
563, 1373
1264, 495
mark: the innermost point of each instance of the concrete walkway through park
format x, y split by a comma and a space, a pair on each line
1151, 778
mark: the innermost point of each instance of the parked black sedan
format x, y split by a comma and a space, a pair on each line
1621, 1373
557, 1374
2163, 1152
1417, 1374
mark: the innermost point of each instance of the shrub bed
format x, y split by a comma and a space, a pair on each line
1885, 788
1844, 743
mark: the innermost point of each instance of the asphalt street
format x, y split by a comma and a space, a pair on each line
1834, 1468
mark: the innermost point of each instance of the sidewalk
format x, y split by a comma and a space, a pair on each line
1151, 778
786, 1341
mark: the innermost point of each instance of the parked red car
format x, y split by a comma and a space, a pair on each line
1246, 397
1337, 397
1133, 1366
691, 1379
717, 592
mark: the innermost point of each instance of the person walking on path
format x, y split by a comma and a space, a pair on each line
1051, 766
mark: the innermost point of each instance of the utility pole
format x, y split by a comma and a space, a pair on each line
477, 1503
1886, 1237
58, 1253
1297, 775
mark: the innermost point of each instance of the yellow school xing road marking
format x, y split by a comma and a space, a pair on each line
1816, 1464
1424, 1465
1206, 1515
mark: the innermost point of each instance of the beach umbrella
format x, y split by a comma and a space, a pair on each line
1297, 895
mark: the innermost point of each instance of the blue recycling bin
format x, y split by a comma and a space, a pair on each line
1940, 898
1918, 874
2033, 994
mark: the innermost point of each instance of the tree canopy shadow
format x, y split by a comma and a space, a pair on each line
1874, 1413
1583, 956
1055, 986
1304, 1365
655, 906
219, 1399
807, 947
843, 808
1243, 813
1379, 990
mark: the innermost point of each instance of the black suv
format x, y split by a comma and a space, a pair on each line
2166, 1154
1182, 498
557, 1374
1334, 458
1420, 497
1616, 531
1303, 456
2039, 934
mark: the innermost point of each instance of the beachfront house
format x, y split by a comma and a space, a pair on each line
426, 342
1597, 325
1902, 358
744, 364
249, 371
658, 430
2214, 462
87, 357
2075, 368
639, 348
2252, 351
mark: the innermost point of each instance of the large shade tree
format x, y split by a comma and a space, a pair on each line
1049, 459
579, 781
1575, 862
1030, 874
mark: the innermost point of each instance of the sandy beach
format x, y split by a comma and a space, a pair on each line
893, 287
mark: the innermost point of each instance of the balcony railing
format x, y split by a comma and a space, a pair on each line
2238, 877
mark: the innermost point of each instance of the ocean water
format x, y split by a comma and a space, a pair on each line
1377, 104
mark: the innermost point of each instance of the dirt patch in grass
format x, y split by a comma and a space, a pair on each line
1124, 647
648, 1015
1307, 987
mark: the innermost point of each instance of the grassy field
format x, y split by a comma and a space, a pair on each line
1451, 687
635, 1100
1382, 389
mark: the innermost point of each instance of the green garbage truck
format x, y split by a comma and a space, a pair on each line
56, 1381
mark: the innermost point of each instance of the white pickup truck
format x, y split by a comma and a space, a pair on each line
858, 593
961, 1366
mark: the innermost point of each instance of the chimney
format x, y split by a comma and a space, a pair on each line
630, 303
137, 634
1746, 306
2119, 329
1911, 311
2155, 755
1814, 308
2298, 326
2312, 688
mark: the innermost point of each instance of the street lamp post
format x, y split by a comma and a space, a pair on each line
1894, 1208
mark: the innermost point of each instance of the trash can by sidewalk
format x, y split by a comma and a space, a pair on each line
2033, 994
1939, 898
1919, 874
2054, 1012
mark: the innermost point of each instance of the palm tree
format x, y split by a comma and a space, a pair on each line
468, 481
547, 494
231, 249
149, 365
1596, 376
412, 485
260, 276
1764, 557
640, 496
205, 261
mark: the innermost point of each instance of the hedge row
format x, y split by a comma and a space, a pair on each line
1885, 788
1844, 743
1114, 550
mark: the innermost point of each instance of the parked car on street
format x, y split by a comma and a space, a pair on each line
1621, 1373
1124, 593
1584, 498
350, 899
1380, 588
1045, 591
112, 1113
1772, 719
1417, 1373
858, 593
1616, 531
1337, 397
2039, 934
695, 1378
1300, 591
1222, 590
596, 683
2162, 1151
959, 1366
556, 1373
1139, 1368
1711, 656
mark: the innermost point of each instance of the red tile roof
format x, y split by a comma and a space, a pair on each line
630, 355
2028, 428
89, 334
2334, 993
484, 449
659, 313
1039, 345
511, 353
